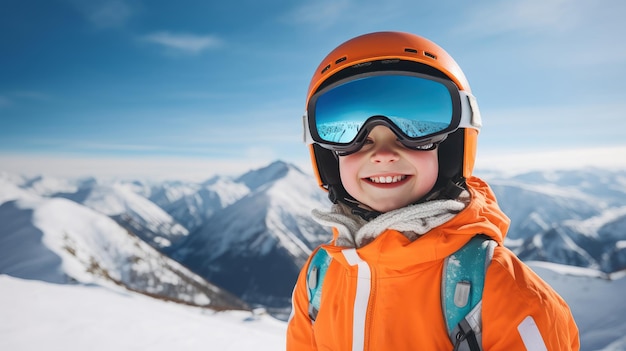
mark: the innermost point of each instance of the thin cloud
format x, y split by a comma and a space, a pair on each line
115, 147
158, 168
188, 43
494, 18
608, 157
322, 14
105, 13
179, 145
543, 127
567, 33
4, 101
21, 97
32, 95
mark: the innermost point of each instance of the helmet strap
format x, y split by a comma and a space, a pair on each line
450, 190
337, 194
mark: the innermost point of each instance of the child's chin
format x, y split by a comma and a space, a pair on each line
383, 207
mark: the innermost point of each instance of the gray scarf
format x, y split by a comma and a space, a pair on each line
412, 221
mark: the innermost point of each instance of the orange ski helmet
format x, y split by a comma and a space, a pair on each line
416, 54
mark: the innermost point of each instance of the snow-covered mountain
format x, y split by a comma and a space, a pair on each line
193, 204
536, 201
255, 246
598, 242
570, 217
60, 241
123, 201
596, 301
250, 234
131, 210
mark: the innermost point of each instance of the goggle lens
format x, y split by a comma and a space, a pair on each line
419, 107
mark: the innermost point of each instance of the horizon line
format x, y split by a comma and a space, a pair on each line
203, 168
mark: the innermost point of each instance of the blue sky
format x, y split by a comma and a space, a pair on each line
188, 89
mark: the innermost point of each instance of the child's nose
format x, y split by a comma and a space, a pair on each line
384, 153
384, 148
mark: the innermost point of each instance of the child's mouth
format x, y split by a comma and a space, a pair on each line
387, 179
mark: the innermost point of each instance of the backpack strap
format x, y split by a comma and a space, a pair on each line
315, 279
462, 289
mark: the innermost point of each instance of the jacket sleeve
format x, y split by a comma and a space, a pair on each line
521, 311
300, 328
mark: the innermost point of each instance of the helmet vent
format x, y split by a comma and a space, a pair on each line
326, 68
428, 54
413, 51
341, 60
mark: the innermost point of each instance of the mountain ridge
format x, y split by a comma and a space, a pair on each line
60, 241
250, 234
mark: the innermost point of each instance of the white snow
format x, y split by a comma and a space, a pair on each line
46, 185
38, 315
10, 192
590, 226
44, 316
228, 190
58, 240
596, 301
121, 199
536, 217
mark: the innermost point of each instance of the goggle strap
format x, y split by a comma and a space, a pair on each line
470, 114
307, 137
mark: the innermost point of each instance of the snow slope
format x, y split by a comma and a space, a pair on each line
38, 315
192, 204
133, 211
256, 246
596, 300
256, 230
43, 316
59, 241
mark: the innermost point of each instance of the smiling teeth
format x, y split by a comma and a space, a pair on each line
388, 179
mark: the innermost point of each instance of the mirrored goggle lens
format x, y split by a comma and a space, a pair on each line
419, 107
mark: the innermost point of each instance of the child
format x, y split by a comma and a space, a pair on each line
392, 127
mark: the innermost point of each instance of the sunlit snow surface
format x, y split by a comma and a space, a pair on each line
35, 315
596, 301
44, 316
38, 315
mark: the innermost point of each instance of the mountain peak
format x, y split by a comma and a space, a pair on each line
270, 173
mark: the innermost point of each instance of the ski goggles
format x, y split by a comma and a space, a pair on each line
420, 109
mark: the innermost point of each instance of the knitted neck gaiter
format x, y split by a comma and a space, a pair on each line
412, 221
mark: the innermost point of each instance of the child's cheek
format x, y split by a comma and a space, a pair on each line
349, 167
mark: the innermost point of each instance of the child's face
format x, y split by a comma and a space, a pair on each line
385, 175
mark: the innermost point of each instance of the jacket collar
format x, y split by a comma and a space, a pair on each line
412, 221
398, 247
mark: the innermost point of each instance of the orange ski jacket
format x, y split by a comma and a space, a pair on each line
386, 295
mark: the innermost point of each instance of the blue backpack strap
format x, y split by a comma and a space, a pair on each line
315, 279
462, 289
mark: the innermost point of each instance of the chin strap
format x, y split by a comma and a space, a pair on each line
338, 194
451, 190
